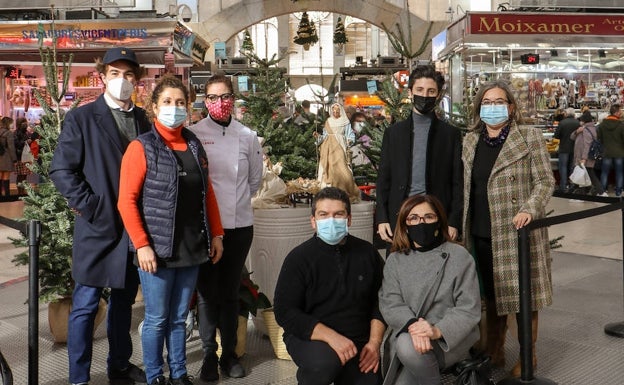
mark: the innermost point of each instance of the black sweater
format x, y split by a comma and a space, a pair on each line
334, 285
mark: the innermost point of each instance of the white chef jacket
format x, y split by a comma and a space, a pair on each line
235, 168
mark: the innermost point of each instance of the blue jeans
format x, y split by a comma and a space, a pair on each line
166, 294
564, 168
85, 300
619, 173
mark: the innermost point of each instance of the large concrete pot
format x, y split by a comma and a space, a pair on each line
278, 231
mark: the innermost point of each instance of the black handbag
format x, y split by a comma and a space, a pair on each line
473, 371
5, 371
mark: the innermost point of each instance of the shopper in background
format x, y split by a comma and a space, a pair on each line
235, 163
434, 322
420, 155
170, 211
583, 137
8, 156
85, 170
21, 140
566, 147
611, 135
507, 184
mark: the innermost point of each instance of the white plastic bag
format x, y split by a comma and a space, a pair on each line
27, 156
580, 176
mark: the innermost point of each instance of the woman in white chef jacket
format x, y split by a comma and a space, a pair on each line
235, 166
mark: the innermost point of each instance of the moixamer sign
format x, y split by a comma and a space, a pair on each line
543, 23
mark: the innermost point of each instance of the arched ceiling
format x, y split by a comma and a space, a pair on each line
233, 19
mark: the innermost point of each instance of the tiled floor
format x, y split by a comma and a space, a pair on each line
572, 347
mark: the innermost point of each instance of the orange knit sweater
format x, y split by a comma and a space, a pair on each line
133, 169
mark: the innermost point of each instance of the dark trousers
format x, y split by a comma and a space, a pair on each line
217, 292
85, 300
485, 266
318, 364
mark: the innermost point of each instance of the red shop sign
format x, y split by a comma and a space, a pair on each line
544, 23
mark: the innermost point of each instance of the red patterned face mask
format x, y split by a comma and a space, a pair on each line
221, 109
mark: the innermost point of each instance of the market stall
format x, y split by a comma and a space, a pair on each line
551, 60
161, 46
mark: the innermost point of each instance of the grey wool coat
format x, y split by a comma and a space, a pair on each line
456, 306
521, 181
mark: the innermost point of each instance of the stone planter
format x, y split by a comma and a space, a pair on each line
278, 231
58, 317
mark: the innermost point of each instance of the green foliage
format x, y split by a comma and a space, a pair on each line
43, 202
285, 142
399, 108
250, 296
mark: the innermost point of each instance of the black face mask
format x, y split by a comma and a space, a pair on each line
424, 104
426, 235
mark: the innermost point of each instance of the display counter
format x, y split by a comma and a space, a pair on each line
551, 61
160, 45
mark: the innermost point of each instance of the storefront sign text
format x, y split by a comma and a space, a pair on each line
527, 23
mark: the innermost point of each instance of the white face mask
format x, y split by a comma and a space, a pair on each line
172, 116
120, 88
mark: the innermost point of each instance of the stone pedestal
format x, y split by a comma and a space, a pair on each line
278, 231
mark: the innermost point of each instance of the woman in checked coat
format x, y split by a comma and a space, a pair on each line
507, 184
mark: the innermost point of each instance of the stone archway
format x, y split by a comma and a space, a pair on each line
222, 24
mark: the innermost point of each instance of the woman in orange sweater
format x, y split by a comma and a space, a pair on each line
170, 212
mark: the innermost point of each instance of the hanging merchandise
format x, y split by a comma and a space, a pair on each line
340, 36
306, 32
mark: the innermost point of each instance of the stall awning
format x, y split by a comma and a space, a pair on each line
88, 39
535, 30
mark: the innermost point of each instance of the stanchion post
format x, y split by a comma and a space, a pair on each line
525, 331
616, 329
34, 235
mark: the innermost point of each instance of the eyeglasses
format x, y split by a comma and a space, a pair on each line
415, 219
212, 98
497, 102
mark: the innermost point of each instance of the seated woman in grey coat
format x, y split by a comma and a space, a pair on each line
429, 295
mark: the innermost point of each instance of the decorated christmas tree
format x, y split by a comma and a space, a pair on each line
248, 45
340, 36
306, 32
285, 142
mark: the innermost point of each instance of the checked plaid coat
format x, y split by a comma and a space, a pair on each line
521, 181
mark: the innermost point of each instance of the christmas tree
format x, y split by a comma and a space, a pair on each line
306, 32
340, 36
371, 137
43, 202
248, 45
285, 142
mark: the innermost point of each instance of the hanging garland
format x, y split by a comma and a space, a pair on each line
306, 32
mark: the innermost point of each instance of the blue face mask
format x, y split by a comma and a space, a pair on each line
172, 116
494, 115
332, 230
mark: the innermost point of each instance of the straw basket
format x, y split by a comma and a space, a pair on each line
241, 338
275, 333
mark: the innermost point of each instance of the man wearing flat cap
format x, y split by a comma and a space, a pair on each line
85, 170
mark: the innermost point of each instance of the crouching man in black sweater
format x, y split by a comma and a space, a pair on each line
326, 300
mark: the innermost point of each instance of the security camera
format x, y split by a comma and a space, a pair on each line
186, 19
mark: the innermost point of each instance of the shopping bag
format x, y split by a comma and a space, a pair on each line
27, 156
580, 176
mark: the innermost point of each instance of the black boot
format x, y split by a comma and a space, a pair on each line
6, 186
209, 371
